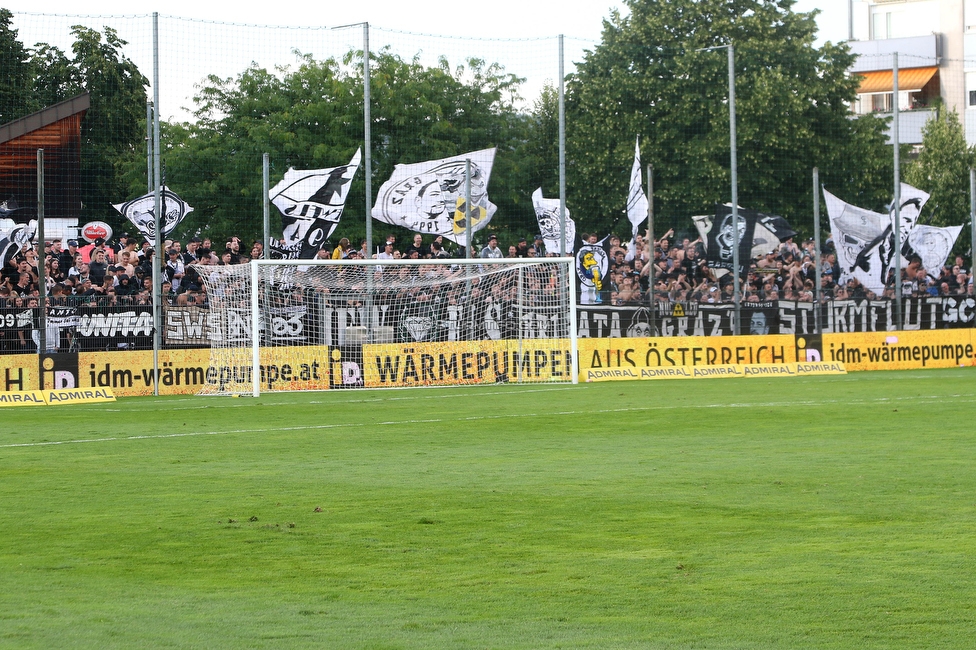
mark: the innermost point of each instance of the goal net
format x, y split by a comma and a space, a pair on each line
326, 324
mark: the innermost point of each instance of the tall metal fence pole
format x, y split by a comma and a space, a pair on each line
816, 252
650, 235
972, 224
367, 129
266, 176
158, 214
562, 152
735, 192
41, 275
896, 206
149, 146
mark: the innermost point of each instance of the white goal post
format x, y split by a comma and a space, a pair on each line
326, 324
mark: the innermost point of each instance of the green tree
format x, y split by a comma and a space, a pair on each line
540, 152
942, 169
653, 76
311, 116
15, 73
113, 131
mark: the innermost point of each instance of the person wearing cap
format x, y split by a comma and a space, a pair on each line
522, 248
491, 251
100, 245
387, 252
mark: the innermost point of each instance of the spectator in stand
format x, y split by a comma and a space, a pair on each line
175, 270
491, 251
512, 251
417, 245
522, 248
257, 250
98, 265
538, 246
341, 251
387, 252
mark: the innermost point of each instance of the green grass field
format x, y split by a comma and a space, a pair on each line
818, 512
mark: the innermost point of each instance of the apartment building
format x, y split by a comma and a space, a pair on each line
935, 43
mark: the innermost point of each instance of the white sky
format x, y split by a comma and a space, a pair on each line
191, 50
497, 19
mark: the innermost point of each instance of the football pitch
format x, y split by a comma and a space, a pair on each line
809, 512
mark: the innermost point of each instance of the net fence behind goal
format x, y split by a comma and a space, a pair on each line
325, 324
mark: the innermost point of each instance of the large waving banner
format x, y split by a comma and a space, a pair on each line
311, 203
550, 223
142, 212
865, 240
428, 197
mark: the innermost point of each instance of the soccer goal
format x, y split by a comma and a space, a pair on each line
327, 324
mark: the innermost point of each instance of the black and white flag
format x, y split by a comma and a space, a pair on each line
142, 212
865, 240
311, 203
636, 199
429, 197
550, 223
759, 234
14, 239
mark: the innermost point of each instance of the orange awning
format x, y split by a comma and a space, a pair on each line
882, 81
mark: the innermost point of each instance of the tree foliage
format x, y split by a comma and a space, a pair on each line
113, 130
942, 169
15, 73
311, 116
655, 76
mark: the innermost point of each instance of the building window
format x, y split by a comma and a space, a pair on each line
972, 97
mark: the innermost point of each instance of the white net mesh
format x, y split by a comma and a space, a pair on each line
390, 324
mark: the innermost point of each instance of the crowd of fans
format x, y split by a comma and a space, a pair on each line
681, 273
120, 273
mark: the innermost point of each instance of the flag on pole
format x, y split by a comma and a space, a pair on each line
311, 203
550, 224
636, 199
429, 197
142, 212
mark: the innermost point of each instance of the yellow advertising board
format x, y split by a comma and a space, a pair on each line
694, 351
184, 372
22, 398
470, 362
902, 350
56, 397
18, 372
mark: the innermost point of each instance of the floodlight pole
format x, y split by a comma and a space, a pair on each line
562, 152
735, 191
41, 276
896, 205
157, 214
367, 129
